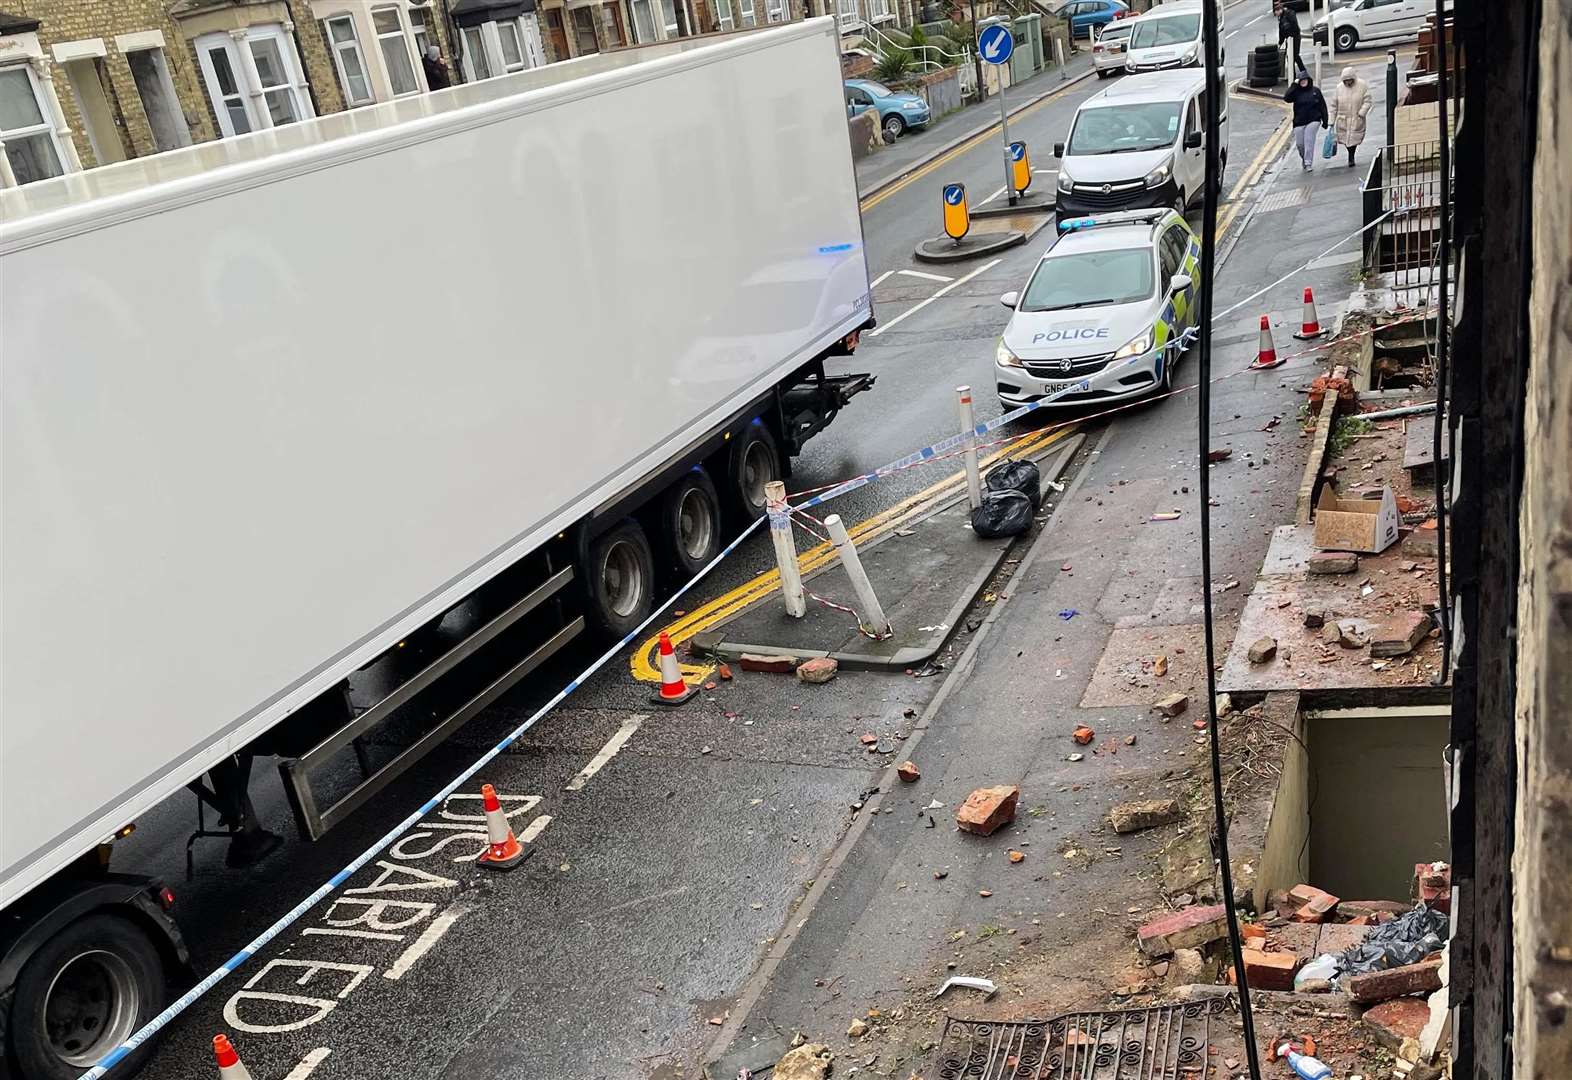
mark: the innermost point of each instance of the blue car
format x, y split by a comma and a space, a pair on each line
1085, 16
897, 111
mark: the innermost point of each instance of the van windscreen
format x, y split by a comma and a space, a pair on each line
1174, 30
1120, 129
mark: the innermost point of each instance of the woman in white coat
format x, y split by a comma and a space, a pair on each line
1350, 105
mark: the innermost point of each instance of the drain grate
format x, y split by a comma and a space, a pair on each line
1283, 200
1165, 1042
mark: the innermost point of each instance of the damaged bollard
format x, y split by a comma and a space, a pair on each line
785, 548
969, 430
874, 623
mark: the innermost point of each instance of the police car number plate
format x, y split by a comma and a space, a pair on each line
1055, 387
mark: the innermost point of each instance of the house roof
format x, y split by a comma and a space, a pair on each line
475, 12
16, 24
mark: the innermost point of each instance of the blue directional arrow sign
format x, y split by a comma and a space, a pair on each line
954, 193
1017, 151
995, 43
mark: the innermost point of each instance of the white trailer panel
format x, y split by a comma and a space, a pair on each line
262, 419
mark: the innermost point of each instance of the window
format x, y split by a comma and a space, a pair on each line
277, 93
475, 53
1174, 30
1090, 279
746, 13
513, 58
268, 59
668, 10
420, 27
28, 134
643, 22
723, 16
1117, 129
150, 72
224, 87
847, 12
351, 63
1172, 252
775, 10
878, 10
395, 50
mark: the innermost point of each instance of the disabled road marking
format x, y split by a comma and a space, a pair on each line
428, 937
308, 1064
607, 752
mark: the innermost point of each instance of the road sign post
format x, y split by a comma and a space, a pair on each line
995, 44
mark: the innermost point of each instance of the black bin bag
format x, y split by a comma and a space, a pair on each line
1019, 476
1002, 513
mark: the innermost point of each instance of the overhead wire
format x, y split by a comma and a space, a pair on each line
1213, 187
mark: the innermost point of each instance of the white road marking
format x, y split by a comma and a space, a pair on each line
333, 931
983, 269
1245, 27
308, 1064
1046, 172
613, 744
422, 945
992, 197
940, 278
876, 282
534, 829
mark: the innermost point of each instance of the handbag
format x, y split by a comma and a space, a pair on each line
1329, 144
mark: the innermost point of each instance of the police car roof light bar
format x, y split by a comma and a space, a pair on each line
1116, 217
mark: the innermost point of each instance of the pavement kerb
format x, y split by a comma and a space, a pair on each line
711, 642
940, 151
738, 1015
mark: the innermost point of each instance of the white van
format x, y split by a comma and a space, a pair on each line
1169, 36
1373, 20
1138, 144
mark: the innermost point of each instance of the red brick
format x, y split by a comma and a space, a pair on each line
1422, 978
1334, 562
1433, 885
1393, 1021
988, 809
1315, 905
1185, 929
777, 665
1398, 635
1270, 970
1297, 938
908, 772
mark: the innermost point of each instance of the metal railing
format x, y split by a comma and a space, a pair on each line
926, 59
1405, 182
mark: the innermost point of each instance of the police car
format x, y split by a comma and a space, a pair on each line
1106, 313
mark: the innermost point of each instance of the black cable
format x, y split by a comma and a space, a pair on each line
1443, 343
1215, 89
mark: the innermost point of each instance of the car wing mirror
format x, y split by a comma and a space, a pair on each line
1058, 149
1180, 282
1010, 300
1192, 141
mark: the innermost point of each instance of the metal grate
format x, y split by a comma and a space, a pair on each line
1165, 1042
1282, 200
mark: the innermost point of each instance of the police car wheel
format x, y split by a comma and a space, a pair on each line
1180, 204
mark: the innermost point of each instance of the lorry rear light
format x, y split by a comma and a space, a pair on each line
166, 898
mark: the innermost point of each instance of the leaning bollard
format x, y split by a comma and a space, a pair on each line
874, 622
969, 429
785, 548
1058, 56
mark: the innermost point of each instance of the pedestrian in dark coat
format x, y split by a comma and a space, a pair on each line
436, 70
1309, 112
1288, 30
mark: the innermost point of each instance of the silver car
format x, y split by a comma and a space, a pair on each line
1108, 47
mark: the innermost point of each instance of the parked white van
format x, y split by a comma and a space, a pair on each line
1138, 144
1373, 20
1169, 36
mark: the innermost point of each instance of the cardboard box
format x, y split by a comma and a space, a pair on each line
1367, 525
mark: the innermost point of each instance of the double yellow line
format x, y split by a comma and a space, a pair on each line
723, 607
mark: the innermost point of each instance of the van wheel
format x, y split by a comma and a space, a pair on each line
86, 991
690, 523
1345, 39
753, 462
620, 580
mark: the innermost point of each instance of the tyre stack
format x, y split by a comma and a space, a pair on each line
1264, 66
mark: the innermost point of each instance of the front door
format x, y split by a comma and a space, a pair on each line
584, 31
556, 34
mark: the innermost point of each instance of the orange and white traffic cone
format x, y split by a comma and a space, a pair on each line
1266, 357
230, 1066
504, 851
673, 691
1310, 328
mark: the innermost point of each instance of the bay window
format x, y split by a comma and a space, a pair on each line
253, 78
31, 145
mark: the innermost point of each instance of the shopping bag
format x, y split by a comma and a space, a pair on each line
1329, 144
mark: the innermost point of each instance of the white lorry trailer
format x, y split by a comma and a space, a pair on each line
305, 429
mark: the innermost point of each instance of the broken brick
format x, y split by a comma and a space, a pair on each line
1262, 650
776, 665
1222, 453
1315, 905
988, 809
1333, 562
1160, 666
1393, 1021
1134, 816
1419, 543
1357, 908
1339, 937
908, 772
1433, 886
1172, 705
1185, 929
1016, 856
1398, 635
725, 672
1372, 986
1251, 931
1270, 970
821, 669
869, 739
1083, 735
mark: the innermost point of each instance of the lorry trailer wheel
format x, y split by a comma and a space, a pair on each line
690, 523
84, 992
754, 461
620, 579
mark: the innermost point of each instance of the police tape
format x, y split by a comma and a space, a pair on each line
153, 1026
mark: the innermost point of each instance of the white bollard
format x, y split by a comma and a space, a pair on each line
1058, 56
969, 429
868, 605
785, 548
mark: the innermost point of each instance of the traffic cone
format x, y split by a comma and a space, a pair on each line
1311, 326
1267, 356
505, 851
230, 1066
673, 691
